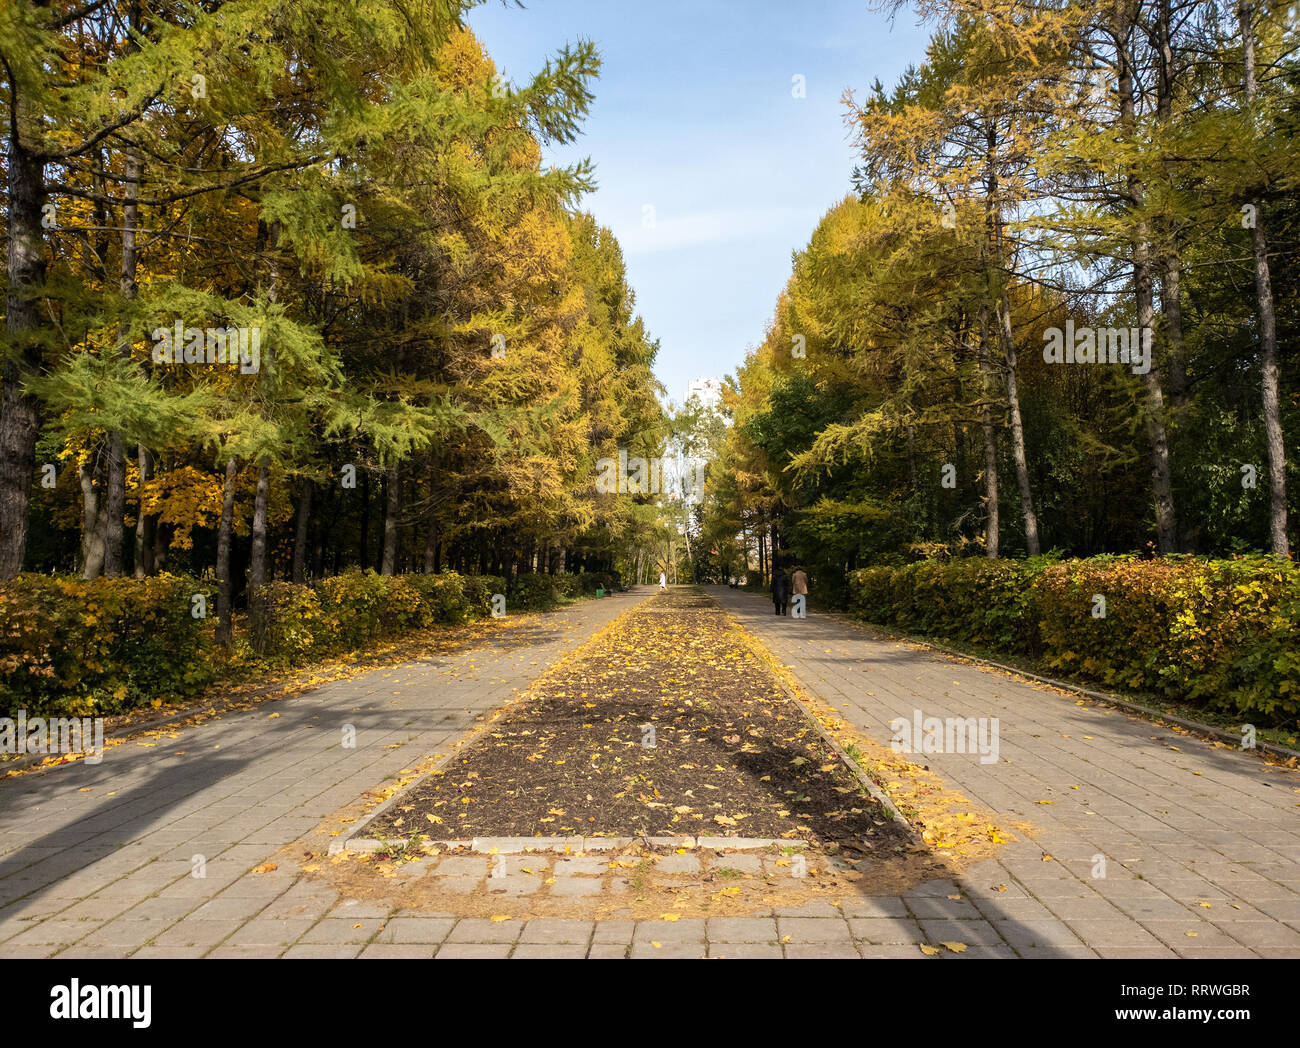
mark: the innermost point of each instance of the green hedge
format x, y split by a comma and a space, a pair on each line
533, 592
286, 624
590, 581
80, 648
69, 646
1219, 633
289, 623
538, 592
479, 591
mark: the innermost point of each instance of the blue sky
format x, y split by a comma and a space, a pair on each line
695, 117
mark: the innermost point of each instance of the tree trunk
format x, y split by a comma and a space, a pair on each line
144, 524
161, 545
1278, 540
1018, 455
1171, 298
301, 531
92, 525
997, 294
25, 273
1161, 474
257, 555
990, 444
365, 519
318, 552
1171, 304
115, 504
225, 587
392, 503
431, 546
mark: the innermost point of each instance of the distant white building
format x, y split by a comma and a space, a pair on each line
709, 390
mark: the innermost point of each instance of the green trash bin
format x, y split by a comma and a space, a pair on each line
600, 592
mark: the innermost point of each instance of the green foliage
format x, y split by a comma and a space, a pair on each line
383, 211
479, 590
1005, 189
533, 592
353, 606
286, 624
77, 647
446, 597
588, 582
1220, 633
82, 648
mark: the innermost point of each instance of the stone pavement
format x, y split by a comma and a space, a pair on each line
97, 860
1201, 843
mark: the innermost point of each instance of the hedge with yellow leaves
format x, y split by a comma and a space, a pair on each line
74, 647
289, 624
1224, 634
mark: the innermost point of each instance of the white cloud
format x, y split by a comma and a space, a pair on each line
711, 227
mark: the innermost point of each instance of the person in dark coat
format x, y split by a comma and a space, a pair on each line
780, 590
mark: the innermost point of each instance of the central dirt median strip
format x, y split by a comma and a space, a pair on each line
668, 725
633, 781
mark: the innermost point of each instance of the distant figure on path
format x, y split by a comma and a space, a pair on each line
800, 581
663, 582
780, 590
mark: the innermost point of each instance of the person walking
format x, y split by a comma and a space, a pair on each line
799, 585
780, 590
663, 582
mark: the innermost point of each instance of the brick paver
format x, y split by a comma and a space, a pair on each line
103, 856
1201, 843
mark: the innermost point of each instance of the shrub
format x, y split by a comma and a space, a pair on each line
980, 601
590, 581
445, 597
285, 623
75, 647
479, 591
78, 647
353, 606
1219, 633
529, 592
404, 608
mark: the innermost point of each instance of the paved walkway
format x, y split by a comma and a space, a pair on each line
98, 860
1202, 844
